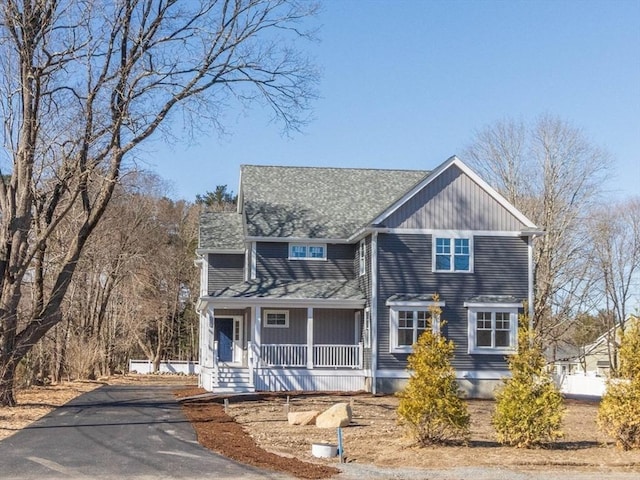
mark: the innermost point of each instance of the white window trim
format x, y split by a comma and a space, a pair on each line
307, 245
266, 314
366, 328
474, 308
362, 257
394, 308
451, 235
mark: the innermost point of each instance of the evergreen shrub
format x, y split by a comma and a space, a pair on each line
529, 406
619, 411
430, 405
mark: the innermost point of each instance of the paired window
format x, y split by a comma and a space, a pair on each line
407, 323
362, 255
303, 251
452, 254
493, 329
276, 318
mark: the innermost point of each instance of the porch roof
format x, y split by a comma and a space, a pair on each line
337, 293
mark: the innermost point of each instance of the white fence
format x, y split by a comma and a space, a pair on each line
169, 366
580, 384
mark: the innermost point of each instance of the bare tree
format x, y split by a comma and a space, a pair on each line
616, 264
86, 82
554, 175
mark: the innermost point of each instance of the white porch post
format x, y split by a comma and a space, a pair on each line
310, 337
210, 337
256, 319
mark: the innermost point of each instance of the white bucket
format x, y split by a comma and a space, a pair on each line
324, 450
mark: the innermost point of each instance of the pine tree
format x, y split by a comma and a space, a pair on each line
430, 405
619, 412
529, 406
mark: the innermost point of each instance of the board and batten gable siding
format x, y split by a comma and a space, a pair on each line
404, 266
272, 261
453, 201
225, 269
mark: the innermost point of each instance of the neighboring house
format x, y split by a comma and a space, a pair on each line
594, 359
324, 278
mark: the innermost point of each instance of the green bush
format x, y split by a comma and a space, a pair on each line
529, 406
619, 412
430, 405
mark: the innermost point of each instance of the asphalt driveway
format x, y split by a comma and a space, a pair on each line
116, 432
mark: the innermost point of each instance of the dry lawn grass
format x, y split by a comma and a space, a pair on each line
375, 437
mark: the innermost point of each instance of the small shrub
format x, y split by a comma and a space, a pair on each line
529, 406
430, 406
619, 411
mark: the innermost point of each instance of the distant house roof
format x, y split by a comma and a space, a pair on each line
221, 231
322, 203
308, 291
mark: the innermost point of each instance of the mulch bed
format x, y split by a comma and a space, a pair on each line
217, 431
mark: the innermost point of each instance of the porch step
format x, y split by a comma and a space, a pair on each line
233, 380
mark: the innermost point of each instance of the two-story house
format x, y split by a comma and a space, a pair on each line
325, 277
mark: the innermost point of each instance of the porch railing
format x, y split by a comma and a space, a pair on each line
323, 356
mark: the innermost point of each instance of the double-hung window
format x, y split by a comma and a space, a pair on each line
362, 256
304, 251
408, 321
493, 328
452, 254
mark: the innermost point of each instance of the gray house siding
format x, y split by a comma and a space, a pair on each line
295, 334
224, 270
330, 326
272, 262
404, 263
453, 201
336, 327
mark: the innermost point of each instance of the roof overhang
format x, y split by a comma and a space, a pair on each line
205, 251
234, 303
297, 240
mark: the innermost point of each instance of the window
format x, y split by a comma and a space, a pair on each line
362, 254
493, 329
452, 254
408, 322
366, 328
301, 251
276, 318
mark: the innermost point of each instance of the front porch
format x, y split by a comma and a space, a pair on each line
284, 336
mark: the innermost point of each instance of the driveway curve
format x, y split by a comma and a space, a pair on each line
116, 432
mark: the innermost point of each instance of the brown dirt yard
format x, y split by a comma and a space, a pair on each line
256, 427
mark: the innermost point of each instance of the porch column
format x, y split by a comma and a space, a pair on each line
210, 338
256, 320
310, 337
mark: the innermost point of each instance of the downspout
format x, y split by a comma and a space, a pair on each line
374, 311
530, 279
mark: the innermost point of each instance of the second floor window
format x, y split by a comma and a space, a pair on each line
303, 251
362, 258
452, 255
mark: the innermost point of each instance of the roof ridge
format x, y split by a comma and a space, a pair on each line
311, 167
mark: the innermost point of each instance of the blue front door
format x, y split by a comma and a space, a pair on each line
224, 335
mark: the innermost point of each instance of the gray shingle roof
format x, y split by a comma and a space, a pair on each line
221, 230
310, 202
289, 289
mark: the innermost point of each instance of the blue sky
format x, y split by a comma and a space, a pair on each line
406, 84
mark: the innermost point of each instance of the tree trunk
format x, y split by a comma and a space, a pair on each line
8, 369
